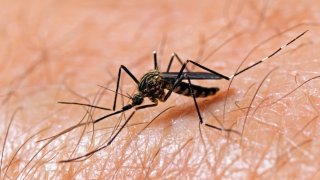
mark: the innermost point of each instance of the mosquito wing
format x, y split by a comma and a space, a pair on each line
191, 75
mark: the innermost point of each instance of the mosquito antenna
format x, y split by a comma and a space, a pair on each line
272, 54
115, 91
82, 104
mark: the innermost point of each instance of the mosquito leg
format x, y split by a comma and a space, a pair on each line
118, 81
174, 55
155, 60
194, 100
177, 82
113, 138
182, 76
125, 108
268, 57
199, 114
100, 148
222, 129
126, 122
204, 68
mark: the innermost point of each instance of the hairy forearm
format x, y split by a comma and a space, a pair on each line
61, 52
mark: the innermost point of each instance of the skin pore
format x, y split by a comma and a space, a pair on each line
63, 51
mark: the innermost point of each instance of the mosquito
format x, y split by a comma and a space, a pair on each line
158, 86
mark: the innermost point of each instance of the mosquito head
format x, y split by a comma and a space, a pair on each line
137, 99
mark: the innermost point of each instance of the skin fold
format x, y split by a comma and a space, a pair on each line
71, 51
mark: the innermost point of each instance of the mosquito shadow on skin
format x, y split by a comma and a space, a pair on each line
185, 110
220, 97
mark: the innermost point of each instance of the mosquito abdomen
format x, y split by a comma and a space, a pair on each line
198, 91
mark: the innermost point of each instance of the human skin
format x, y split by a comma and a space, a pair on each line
60, 51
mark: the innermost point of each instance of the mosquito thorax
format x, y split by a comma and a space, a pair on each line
152, 85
